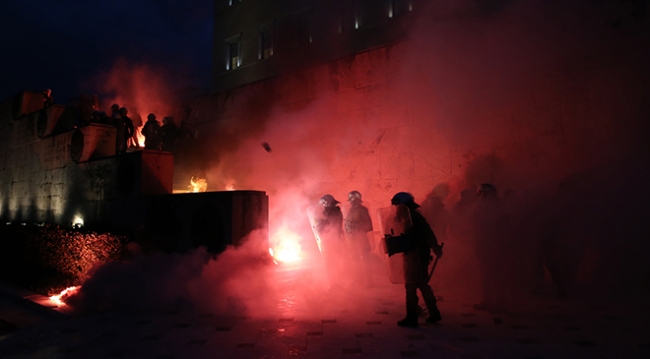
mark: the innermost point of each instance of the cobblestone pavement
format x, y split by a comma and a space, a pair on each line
338, 328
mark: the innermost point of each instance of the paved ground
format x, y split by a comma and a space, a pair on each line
538, 328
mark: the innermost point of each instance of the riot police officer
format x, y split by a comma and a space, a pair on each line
416, 261
489, 222
328, 226
357, 226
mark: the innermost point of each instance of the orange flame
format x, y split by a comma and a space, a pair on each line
230, 185
200, 185
140, 136
285, 246
57, 299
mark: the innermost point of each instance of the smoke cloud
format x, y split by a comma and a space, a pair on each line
546, 101
228, 284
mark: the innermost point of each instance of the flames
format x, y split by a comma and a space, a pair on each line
138, 134
58, 299
230, 185
198, 185
285, 246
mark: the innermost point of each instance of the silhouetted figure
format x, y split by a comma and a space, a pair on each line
86, 109
120, 135
47, 98
328, 225
460, 218
115, 111
184, 132
125, 130
151, 132
416, 262
435, 213
357, 226
169, 133
489, 239
94, 117
134, 141
104, 119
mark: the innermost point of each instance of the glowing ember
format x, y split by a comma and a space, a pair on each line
200, 185
57, 299
285, 246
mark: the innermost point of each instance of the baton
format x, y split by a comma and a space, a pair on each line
435, 262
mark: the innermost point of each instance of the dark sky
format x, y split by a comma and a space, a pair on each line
65, 45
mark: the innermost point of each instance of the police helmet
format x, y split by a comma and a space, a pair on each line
486, 189
328, 201
354, 196
402, 198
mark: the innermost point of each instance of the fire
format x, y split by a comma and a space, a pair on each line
140, 136
200, 185
285, 246
230, 185
64, 294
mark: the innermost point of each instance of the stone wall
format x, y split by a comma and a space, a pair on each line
381, 122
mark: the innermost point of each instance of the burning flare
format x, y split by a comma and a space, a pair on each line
285, 246
58, 299
200, 185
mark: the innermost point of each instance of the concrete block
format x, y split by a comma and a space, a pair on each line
28, 102
48, 119
157, 173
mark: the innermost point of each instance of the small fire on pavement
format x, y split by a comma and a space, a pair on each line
285, 246
59, 299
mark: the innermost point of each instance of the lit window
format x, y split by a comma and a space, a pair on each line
234, 58
266, 43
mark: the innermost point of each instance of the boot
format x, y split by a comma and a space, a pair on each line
430, 300
434, 316
412, 307
409, 321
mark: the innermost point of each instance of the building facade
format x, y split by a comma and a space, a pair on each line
257, 39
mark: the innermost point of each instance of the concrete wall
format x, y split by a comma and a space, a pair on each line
70, 174
75, 177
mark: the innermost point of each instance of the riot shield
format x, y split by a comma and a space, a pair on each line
314, 213
394, 224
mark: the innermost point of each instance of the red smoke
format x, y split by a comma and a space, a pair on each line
141, 88
473, 96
